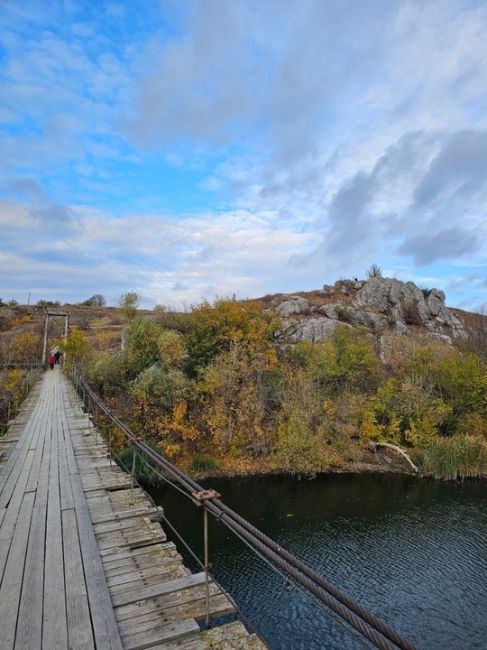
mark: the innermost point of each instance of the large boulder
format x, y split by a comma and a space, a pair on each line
435, 301
293, 305
312, 329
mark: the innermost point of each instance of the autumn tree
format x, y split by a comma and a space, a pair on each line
215, 328
74, 347
129, 303
26, 347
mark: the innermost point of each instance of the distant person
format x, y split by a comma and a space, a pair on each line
57, 356
52, 361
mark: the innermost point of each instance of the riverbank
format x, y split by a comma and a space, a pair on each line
379, 462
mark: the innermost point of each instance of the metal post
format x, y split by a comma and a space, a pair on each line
66, 325
134, 454
44, 349
110, 442
207, 589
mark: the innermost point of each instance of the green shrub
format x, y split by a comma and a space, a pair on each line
143, 465
456, 457
141, 344
201, 463
160, 387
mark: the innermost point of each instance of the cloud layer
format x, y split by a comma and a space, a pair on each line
193, 149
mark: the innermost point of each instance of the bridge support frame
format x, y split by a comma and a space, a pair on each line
51, 314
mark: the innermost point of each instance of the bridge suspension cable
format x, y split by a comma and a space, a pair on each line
380, 634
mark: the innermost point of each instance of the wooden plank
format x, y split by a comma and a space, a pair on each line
11, 516
219, 605
159, 589
55, 632
12, 579
29, 625
175, 599
106, 516
67, 502
124, 524
152, 576
159, 634
141, 563
104, 624
231, 636
80, 633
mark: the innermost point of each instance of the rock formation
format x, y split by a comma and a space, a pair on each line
379, 304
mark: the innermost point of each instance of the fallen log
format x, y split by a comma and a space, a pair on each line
374, 445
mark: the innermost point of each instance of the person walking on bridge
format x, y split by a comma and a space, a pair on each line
52, 361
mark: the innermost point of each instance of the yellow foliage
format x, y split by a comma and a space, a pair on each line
26, 346
473, 424
169, 449
21, 320
178, 425
218, 327
171, 348
13, 379
75, 346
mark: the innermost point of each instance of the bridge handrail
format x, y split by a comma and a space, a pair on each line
376, 631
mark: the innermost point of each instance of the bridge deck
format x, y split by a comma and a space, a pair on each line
82, 565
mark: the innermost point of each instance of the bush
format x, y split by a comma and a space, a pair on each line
172, 349
74, 348
48, 303
96, 300
201, 463
456, 457
374, 271
215, 328
129, 302
106, 373
160, 387
143, 465
141, 344
406, 413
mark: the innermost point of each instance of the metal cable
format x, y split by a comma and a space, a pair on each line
334, 618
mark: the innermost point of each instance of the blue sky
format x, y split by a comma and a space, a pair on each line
192, 149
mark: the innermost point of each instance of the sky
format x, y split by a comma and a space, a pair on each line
189, 149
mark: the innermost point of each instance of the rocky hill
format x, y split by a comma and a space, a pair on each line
380, 304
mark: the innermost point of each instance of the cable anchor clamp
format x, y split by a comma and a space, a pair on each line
203, 495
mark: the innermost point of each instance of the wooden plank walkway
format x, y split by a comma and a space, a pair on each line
83, 564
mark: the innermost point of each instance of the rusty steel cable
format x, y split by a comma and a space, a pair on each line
372, 628
288, 561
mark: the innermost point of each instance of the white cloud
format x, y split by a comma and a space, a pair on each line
233, 252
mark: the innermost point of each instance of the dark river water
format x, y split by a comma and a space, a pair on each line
413, 552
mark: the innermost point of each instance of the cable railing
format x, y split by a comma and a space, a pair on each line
308, 582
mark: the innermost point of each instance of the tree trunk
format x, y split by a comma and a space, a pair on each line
400, 451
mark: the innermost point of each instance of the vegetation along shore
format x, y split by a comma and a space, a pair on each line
304, 383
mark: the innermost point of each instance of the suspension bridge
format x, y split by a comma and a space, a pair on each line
84, 560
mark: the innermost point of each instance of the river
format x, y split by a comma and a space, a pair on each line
414, 552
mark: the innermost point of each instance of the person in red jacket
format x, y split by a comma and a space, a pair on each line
52, 361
